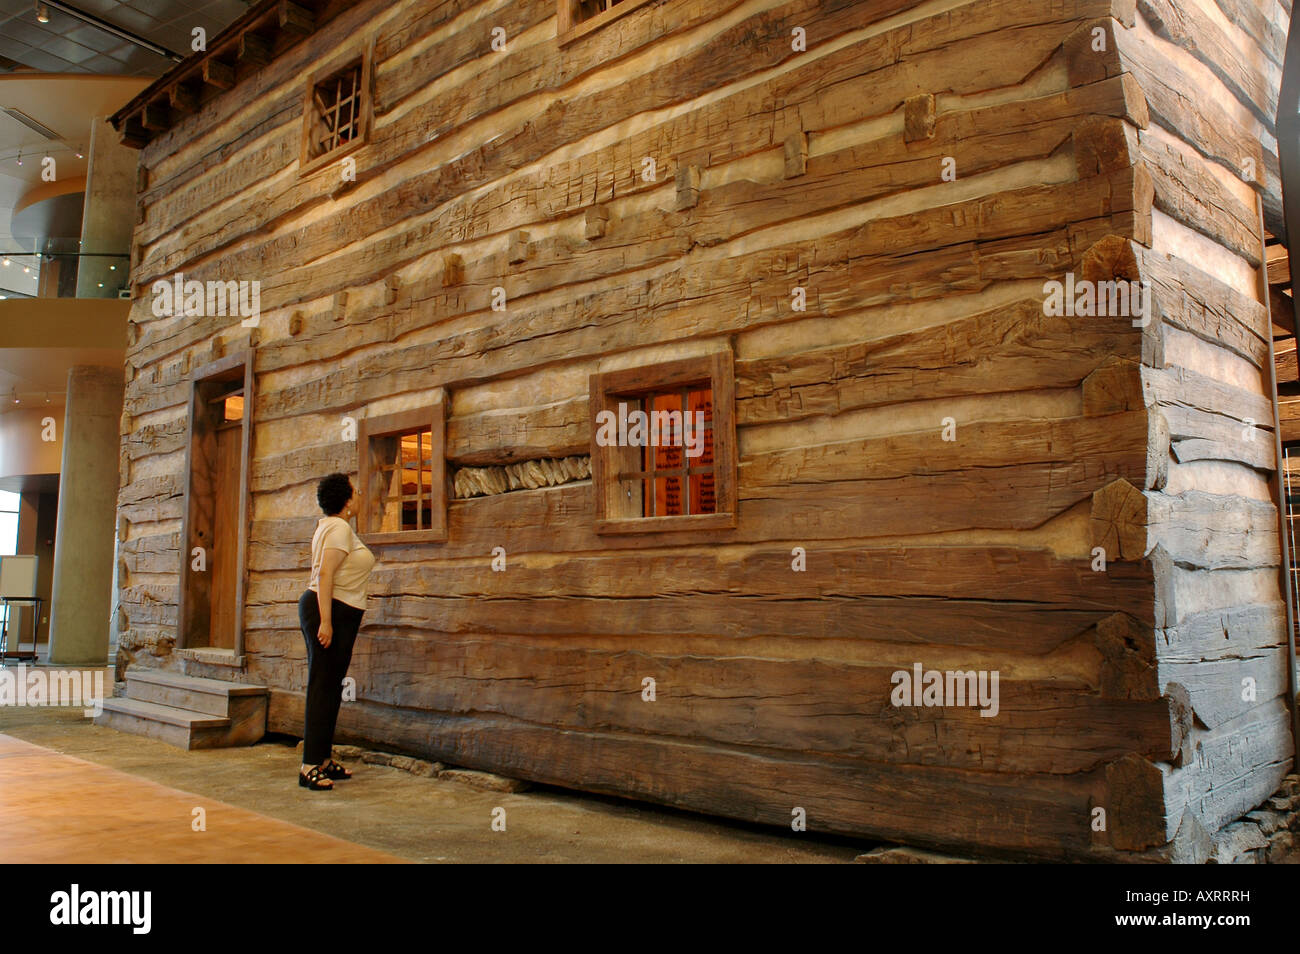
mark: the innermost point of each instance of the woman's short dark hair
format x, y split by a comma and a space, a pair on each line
333, 493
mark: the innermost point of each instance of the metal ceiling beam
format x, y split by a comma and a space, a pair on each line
117, 31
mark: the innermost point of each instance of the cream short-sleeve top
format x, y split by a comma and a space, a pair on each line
335, 533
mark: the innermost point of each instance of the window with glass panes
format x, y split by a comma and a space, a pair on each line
673, 466
403, 476
674, 477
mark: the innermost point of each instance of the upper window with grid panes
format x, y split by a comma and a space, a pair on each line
336, 113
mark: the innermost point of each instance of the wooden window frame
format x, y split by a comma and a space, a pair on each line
607, 388
404, 422
307, 163
568, 28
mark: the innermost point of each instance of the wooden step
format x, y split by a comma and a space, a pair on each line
180, 727
179, 691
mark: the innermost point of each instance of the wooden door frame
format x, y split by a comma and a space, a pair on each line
222, 369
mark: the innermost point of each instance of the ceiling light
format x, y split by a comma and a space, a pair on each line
42, 13
6, 263
26, 269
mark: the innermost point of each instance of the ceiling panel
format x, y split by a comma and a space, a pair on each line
68, 45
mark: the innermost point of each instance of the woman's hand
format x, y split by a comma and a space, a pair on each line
325, 634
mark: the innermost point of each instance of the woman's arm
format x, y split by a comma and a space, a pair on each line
329, 562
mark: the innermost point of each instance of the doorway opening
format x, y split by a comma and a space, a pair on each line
214, 538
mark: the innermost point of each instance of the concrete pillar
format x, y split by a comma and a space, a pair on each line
83, 542
108, 218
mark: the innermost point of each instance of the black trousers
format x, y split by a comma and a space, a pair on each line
326, 668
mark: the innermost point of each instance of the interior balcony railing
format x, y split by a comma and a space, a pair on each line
62, 268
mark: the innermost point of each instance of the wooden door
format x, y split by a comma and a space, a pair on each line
225, 537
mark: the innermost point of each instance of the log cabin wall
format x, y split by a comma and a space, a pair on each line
921, 171
1211, 526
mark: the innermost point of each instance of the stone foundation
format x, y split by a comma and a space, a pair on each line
1264, 836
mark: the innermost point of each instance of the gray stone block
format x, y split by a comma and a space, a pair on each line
910, 856
484, 780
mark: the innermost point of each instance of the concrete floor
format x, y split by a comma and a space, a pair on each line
422, 819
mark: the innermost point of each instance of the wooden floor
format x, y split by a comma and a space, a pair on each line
58, 809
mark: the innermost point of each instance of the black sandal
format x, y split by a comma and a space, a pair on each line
314, 779
332, 770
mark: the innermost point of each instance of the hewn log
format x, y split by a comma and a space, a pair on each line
695, 71
1115, 386
1128, 668
775, 170
1134, 804
918, 117
1049, 726
1191, 194
1120, 516
796, 154
1238, 765
254, 49
1044, 815
295, 18
218, 74
1187, 27
1199, 303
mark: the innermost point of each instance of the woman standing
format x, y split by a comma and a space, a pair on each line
329, 612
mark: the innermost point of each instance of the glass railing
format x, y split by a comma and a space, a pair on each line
62, 268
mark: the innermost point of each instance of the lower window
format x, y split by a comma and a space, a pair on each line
403, 476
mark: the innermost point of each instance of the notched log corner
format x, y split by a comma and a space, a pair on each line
1135, 804
1128, 653
1119, 521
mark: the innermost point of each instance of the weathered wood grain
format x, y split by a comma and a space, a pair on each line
776, 169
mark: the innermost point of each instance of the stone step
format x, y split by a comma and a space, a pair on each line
180, 727
179, 691
188, 711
